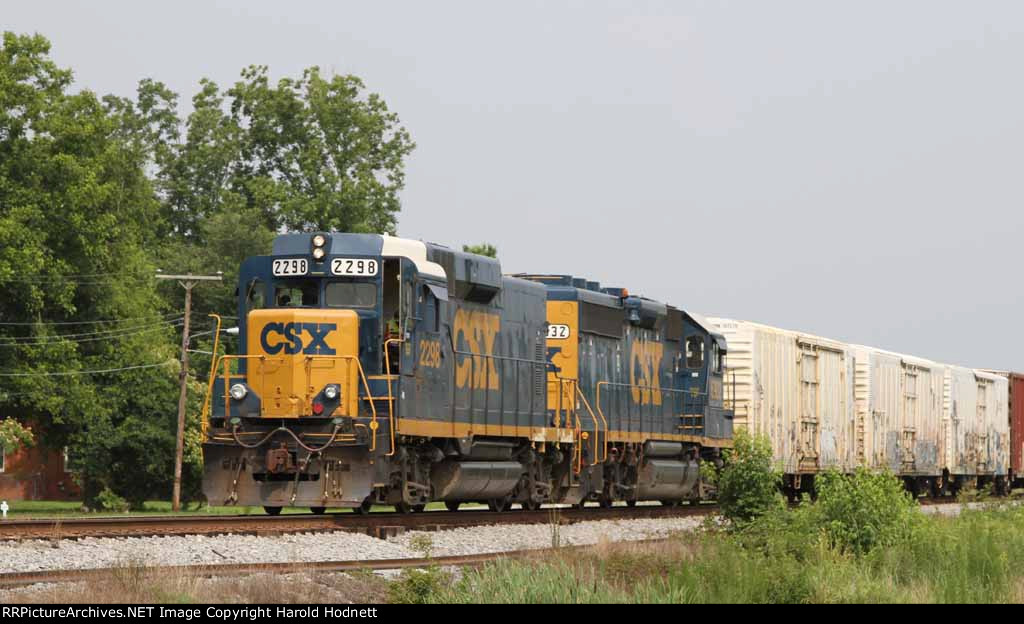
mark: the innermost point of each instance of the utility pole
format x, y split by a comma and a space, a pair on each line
188, 282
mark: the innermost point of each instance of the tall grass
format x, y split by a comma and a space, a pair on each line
973, 558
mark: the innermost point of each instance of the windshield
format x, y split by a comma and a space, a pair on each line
297, 294
351, 295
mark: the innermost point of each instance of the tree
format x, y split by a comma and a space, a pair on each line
483, 249
78, 217
311, 153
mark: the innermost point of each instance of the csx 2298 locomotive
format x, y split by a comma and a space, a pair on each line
376, 369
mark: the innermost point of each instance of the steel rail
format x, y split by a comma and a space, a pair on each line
380, 524
15, 579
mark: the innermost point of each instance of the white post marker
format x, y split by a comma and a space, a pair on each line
3, 508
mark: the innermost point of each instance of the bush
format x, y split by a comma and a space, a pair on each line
863, 510
748, 484
107, 500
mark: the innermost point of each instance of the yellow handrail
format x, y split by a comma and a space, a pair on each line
366, 386
391, 400
597, 432
226, 358
204, 417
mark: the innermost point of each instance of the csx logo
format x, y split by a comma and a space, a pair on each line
288, 337
645, 362
478, 331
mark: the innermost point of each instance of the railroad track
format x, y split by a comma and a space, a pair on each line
375, 524
16, 579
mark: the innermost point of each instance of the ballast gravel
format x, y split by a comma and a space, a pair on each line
33, 555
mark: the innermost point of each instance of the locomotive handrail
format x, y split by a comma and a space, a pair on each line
597, 432
533, 364
571, 411
669, 391
366, 387
391, 400
226, 359
204, 414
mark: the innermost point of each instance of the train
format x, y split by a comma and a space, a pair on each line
378, 370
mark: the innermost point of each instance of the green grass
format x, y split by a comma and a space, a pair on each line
73, 509
973, 558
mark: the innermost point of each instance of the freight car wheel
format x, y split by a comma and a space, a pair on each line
605, 502
419, 508
497, 504
531, 505
631, 503
670, 503
272, 511
452, 505
318, 510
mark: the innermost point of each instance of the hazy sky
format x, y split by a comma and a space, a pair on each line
851, 169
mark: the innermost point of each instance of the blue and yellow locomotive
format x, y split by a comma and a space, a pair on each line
382, 370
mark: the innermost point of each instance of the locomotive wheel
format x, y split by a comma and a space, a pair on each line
497, 504
272, 511
452, 505
318, 510
364, 508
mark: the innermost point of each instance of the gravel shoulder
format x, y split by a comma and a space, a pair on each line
34, 555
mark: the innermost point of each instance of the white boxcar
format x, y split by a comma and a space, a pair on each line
795, 388
899, 412
975, 424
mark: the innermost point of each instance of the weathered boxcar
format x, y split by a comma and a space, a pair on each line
798, 390
899, 410
976, 428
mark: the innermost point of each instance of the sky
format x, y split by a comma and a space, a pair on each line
848, 169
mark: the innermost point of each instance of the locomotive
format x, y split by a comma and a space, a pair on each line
374, 369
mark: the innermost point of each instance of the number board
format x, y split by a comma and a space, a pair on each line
558, 331
359, 267
290, 266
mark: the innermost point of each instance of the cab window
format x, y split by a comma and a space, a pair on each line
695, 352
297, 294
716, 358
254, 295
351, 295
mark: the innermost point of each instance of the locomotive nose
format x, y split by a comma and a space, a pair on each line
304, 362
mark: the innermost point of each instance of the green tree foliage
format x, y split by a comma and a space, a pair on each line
483, 249
748, 485
77, 216
96, 193
14, 435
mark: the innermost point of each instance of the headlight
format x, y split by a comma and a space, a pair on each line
331, 392
238, 391
319, 240
318, 253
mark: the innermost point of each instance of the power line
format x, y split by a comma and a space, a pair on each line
86, 372
95, 322
79, 337
63, 339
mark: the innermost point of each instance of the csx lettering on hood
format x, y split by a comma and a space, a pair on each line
289, 337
